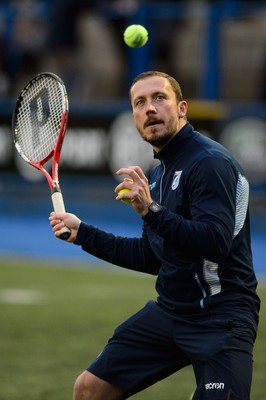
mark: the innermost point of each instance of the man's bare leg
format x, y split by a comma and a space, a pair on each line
90, 387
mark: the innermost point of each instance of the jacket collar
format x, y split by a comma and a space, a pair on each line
175, 145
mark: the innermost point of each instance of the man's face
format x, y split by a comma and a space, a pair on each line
155, 110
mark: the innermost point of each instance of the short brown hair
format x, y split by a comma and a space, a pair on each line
173, 82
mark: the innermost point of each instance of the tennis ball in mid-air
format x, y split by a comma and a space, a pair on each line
126, 201
135, 36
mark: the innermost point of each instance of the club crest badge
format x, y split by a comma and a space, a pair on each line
176, 179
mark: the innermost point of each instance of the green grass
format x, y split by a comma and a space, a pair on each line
47, 342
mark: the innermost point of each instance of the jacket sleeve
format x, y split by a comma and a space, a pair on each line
131, 253
211, 188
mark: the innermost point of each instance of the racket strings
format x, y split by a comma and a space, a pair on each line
39, 118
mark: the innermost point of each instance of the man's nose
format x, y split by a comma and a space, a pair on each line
150, 107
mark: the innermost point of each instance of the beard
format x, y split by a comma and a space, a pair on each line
158, 140
157, 137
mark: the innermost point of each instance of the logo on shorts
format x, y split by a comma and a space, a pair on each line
176, 179
215, 385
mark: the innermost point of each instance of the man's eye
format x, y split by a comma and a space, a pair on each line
139, 103
160, 97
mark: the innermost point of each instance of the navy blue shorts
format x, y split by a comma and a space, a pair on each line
153, 344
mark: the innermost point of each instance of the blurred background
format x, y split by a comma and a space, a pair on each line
215, 49
54, 318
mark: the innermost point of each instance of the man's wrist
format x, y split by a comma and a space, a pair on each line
155, 207
154, 210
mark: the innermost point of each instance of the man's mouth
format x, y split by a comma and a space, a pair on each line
152, 122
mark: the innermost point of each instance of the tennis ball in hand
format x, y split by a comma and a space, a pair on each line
126, 201
135, 36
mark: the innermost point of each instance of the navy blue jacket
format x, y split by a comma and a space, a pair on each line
199, 243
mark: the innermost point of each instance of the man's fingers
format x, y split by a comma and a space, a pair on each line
135, 173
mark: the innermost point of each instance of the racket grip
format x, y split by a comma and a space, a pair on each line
59, 207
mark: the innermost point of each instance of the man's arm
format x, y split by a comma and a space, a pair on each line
131, 253
209, 233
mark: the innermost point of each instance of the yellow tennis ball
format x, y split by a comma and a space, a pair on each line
126, 201
135, 36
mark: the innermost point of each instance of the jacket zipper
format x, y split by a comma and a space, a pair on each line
161, 182
201, 289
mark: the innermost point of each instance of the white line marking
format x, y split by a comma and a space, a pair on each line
21, 296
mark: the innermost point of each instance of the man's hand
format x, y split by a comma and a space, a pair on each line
139, 194
58, 221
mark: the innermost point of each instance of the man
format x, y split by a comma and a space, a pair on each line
196, 238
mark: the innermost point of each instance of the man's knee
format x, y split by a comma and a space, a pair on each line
80, 387
90, 387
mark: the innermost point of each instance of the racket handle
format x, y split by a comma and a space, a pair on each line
59, 207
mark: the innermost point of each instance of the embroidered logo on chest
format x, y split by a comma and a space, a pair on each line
176, 179
152, 185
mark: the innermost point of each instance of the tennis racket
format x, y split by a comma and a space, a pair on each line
39, 126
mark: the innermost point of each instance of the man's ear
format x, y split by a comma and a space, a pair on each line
182, 108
